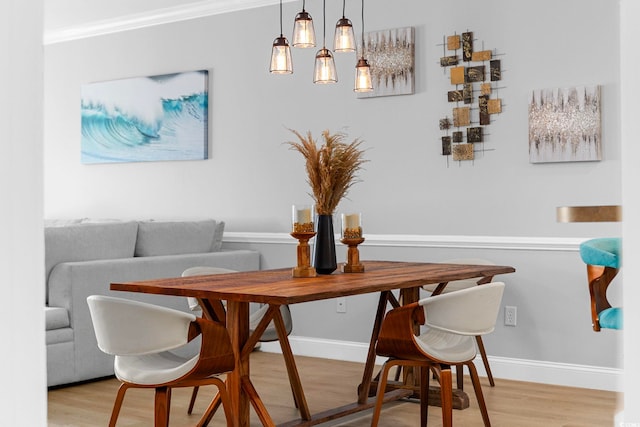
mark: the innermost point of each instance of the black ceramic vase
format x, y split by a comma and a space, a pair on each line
325, 246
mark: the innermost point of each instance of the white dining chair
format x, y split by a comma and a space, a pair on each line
142, 337
456, 285
451, 321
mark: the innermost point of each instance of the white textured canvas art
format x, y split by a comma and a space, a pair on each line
391, 56
564, 125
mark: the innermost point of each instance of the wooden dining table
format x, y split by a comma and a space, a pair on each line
278, 287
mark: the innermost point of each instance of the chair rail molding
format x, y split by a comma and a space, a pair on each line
570, 244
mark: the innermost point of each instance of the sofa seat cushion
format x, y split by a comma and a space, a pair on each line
56, 318
178, 237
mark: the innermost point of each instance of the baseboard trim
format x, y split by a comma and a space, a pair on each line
563, 374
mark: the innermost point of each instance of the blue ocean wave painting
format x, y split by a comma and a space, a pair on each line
154, 118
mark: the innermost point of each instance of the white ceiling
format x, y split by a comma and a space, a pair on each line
66, 19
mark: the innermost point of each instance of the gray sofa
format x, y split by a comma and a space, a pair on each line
83, 257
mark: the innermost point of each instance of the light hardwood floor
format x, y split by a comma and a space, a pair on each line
331, 383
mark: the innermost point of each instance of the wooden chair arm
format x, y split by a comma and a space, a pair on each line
397, 334
216, 352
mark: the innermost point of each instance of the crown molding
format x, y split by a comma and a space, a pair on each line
197, 9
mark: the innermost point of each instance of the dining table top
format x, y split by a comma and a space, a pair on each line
278, 286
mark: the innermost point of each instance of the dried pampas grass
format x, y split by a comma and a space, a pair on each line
331, 168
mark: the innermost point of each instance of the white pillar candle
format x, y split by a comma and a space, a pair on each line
302, 218
304, 215
351, 226
352, 220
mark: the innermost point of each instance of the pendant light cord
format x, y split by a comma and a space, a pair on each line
281, 35
324, 23
362, 9
344, 3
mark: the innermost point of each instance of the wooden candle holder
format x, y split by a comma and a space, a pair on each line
304, 268
353, 264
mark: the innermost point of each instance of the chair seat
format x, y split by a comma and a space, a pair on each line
152, 369
447, 346
611, 318
602, 251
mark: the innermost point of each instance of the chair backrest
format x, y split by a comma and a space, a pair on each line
471, 311
456, 285
202, 271
130, 328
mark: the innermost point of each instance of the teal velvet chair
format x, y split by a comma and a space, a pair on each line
603, 259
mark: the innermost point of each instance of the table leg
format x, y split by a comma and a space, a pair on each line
363, 392
292, 370
238, 327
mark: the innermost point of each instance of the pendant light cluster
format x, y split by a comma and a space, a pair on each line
304, 37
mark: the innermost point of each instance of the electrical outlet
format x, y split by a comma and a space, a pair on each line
341, 305
510, 315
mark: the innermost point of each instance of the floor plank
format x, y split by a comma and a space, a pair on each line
329, 383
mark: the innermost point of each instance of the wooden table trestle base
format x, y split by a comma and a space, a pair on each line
278, 287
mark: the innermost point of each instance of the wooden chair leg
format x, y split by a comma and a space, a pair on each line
162, 406
460, 377
396, 376
424, 394
192, 402
478, 390
382, 385
446, 395
485, 361
118, 404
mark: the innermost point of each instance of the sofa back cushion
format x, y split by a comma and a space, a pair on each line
84, 242
178, 237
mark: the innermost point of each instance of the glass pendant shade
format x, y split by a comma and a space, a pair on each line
303, 33
363, 76
325, 69
281, 57
344, 40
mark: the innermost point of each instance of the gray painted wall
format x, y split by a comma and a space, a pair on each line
407, 189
